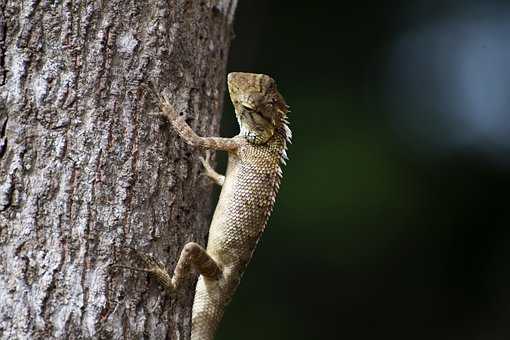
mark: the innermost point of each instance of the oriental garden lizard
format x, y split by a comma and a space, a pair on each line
247, 197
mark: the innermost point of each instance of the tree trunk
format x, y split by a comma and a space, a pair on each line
86, 171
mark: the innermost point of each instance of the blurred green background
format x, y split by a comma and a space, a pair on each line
388, 224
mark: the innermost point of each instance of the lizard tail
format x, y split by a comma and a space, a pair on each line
208, 309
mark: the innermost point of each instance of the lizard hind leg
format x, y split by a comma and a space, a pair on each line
191, 255
194, 255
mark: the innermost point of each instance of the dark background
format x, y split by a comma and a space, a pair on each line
392, 217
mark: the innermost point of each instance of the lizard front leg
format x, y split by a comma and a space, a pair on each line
209, 170
185, 131
192, 255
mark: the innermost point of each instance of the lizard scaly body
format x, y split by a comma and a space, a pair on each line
247, 197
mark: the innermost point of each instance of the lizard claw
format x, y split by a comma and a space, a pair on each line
205, 162
151, 266
209, 170
166, 108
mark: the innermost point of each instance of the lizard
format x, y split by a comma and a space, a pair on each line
246, 201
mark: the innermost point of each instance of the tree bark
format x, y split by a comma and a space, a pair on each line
86, 171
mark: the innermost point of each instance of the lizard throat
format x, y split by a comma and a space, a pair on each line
261, 137
255, 137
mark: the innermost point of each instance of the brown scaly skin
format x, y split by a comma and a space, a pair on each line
246, 200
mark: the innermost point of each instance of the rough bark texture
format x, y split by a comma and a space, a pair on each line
85, 170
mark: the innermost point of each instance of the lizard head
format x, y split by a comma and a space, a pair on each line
259, 107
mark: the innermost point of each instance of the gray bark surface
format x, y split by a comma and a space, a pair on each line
86, 171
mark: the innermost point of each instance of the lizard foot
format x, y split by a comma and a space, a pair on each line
152, 266
167, 110
209, 171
